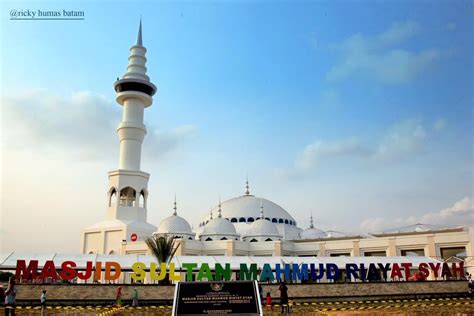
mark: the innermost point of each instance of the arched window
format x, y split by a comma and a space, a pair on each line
142, 199
254, 240
111, 252
112, 197
91, 252
190, 238
274, 220
223, 238
250, 220
242, 220
127, 197
267, 218
291, 222
208, 239
286, 221
268, 239
233, 220
280, 221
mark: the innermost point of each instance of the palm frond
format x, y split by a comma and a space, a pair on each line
163, 248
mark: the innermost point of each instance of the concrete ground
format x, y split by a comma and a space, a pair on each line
440, 306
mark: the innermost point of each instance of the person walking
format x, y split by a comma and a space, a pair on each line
118, 296
10, 298
43, 301
283, 296
135, 298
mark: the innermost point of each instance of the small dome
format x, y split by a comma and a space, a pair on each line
312, 233
262, 228
174, 224
219, 226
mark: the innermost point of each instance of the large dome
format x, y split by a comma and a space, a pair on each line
245, 209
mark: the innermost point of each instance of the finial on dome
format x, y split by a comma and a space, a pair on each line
261, 210
311, 221
219, 214
139, 37
211, 213
247, 192
175, 209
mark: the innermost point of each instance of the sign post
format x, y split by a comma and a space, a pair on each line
210, 298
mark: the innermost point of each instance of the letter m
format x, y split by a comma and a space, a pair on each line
245, 274
22, 272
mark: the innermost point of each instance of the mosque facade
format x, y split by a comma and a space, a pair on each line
246, 225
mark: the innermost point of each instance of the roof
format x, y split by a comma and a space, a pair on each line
312, 233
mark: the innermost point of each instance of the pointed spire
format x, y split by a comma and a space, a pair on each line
219, 214
261, 210
311, 221
139, 37
247, 192
175, 209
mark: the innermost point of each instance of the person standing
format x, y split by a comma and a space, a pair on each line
43, 301
10, 298
268, 301
283, 296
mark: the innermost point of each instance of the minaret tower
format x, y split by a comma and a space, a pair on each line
128, 185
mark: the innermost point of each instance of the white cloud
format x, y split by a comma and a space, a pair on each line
400, 141
378, 59
439, 124
460, 214
82, 123
403, 138
318, 150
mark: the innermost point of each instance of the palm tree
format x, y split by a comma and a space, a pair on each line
163, 248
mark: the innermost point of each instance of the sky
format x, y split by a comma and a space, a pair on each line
359, 112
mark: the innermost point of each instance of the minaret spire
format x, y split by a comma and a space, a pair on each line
139, 37
175, 209
247, 192
219, 211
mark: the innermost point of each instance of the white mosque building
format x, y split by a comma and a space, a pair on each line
246, 225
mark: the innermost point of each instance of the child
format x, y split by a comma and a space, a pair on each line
268, 301
43, 301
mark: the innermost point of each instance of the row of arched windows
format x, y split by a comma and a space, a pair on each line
127, 197
253, 219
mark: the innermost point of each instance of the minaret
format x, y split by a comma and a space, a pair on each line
128, 185
247, 188
175, 208
134, 94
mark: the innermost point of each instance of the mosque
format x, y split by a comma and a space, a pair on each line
245, 225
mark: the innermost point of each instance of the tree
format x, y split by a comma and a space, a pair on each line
163, 248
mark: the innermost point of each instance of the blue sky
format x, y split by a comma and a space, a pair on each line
358, 109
